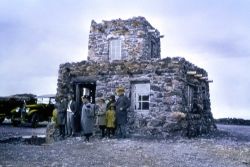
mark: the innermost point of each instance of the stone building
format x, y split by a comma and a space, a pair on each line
162, 91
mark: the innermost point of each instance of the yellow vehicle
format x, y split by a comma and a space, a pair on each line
7, 103
34, 113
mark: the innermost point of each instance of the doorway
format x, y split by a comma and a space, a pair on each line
85, 88
82, 88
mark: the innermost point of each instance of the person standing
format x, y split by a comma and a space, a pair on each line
61, 118
87, 117
110, 120
122, 104
101, 119
70, 116
23, 111
111, 100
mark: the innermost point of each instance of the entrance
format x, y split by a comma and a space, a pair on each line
85, 88
81, 88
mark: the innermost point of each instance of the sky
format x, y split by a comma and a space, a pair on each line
36, 36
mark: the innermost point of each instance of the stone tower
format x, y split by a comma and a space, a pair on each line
123, 40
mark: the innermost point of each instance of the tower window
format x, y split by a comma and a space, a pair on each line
115, 49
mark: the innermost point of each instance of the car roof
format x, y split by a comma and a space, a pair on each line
46, 96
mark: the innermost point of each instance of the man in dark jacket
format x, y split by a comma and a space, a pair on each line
61, 118
122, 104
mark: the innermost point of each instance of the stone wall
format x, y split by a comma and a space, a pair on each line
139, 40
169, 112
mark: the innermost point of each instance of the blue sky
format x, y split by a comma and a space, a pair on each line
36, 36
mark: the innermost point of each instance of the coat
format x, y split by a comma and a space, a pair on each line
71, 106
110, 119
61, 112
122, 104
101, 117
87, 118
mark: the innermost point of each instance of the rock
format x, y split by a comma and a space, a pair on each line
51, 134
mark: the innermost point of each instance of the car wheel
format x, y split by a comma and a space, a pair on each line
34, 120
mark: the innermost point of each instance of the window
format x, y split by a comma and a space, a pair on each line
140, 96
143, 102
115, 49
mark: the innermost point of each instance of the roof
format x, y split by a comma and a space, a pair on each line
46, 95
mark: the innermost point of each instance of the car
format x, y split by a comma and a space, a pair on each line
7, 103
34, 113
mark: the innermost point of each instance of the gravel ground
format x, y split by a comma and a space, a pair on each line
7, 130
229, 147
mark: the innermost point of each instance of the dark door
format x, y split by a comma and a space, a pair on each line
83, 88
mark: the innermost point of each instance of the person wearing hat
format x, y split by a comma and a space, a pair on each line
122, 104
87, 117
101, 111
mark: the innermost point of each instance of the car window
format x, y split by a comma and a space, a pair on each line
39, 100
43, 100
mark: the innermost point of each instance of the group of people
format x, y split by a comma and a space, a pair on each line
110, 116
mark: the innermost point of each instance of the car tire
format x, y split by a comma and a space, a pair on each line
34, 120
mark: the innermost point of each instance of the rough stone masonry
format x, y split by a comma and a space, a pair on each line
162, 91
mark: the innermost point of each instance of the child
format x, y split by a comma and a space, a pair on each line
110, 120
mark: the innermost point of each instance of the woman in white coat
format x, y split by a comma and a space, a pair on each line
101, 115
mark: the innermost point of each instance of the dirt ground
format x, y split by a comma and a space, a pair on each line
228, 147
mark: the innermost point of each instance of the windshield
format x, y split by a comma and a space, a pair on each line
43, 100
